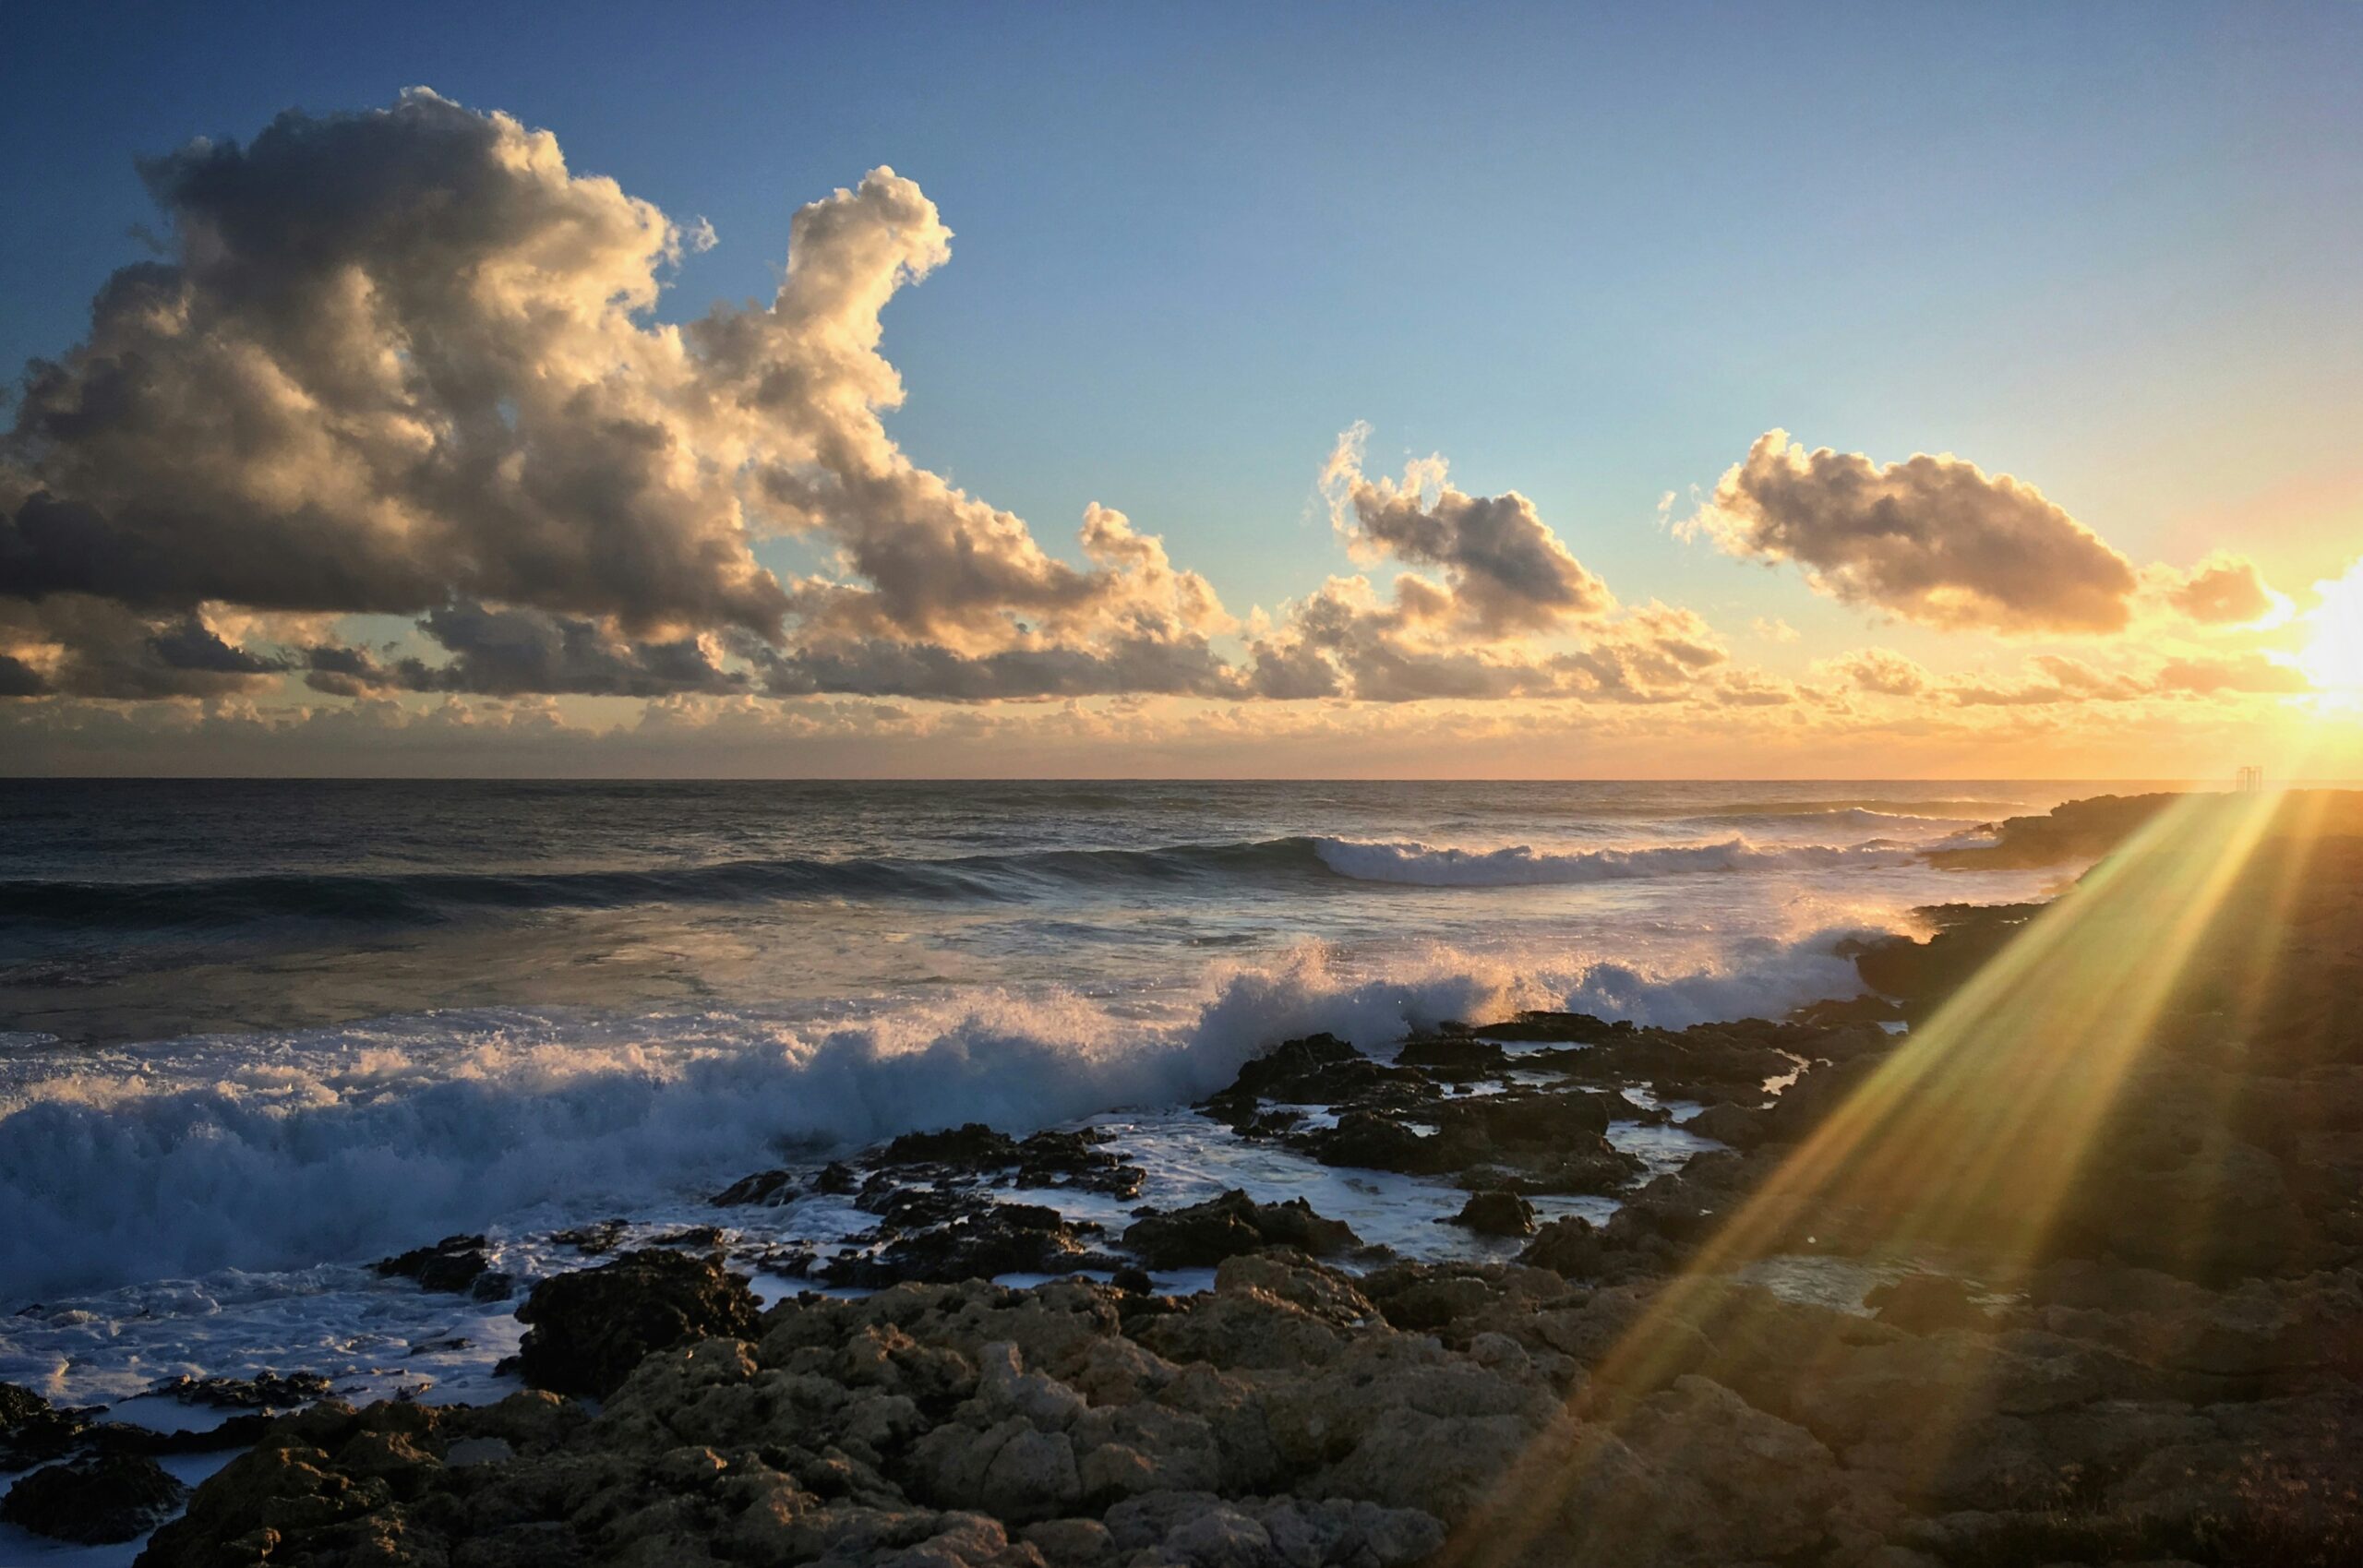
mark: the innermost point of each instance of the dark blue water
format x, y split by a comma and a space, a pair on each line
134, 910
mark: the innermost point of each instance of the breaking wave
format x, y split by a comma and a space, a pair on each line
1520, 865
265, 1152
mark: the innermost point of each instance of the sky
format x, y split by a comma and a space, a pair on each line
1803, 391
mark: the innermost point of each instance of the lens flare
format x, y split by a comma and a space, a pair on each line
1974, 1142
2334, 659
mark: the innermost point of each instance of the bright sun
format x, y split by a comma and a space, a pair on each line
2334, 660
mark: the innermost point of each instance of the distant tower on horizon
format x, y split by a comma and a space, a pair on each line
2251, 779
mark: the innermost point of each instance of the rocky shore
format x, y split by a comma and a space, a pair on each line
2069, 1272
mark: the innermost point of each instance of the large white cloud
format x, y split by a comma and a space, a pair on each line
402, 362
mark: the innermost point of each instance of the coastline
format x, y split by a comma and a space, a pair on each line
2045, 1278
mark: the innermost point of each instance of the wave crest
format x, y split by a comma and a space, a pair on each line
278, 1152
1522, 866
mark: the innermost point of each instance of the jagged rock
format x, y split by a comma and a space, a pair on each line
1071, 1543
95, 1501
1205, 1234
971, 1145
1591, 1167
1078, 1160
769, 1187
1571, 1246
1290, 1064
996, 1239
1455, 1056
32, 1432
1527, 1121
1572, 1028
1497, 1213
270, 1391
595, 1240
1295, 1278
592, 1327
1373, 1141
451, 1264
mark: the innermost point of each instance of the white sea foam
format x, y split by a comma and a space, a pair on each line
1523, 866
278, 1152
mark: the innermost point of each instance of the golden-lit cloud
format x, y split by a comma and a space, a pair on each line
390, 447
1504, 569
2225, 589
1932, 539
400, 363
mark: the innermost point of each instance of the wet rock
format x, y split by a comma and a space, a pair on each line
972, 1145
1455, 1056
1804, 1105
1837, 1013
1528, 1121
493, 1285
1325, 1071
994, 1238
1079, 1160
1592, 1165
1373, 1141
1205, 1234
1571, 1028
32, 1432
94, 1501
765, 1187
592, 1327
1497, 1213
1292, 1064
595, 1240
451, 1264
271, 1390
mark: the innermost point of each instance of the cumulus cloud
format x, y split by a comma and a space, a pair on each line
1879, 671
1347, 640
1506, 570
402, 362
408, 364
1932, 539
2224, 589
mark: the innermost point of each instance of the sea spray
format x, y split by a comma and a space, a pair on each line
275, 1152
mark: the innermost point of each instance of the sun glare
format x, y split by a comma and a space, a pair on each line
2334, 659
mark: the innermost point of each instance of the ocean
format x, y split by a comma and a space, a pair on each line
254, 1035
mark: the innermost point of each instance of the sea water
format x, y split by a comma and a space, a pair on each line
254, 1035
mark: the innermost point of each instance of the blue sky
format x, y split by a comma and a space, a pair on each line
1589, 254
1585, 252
